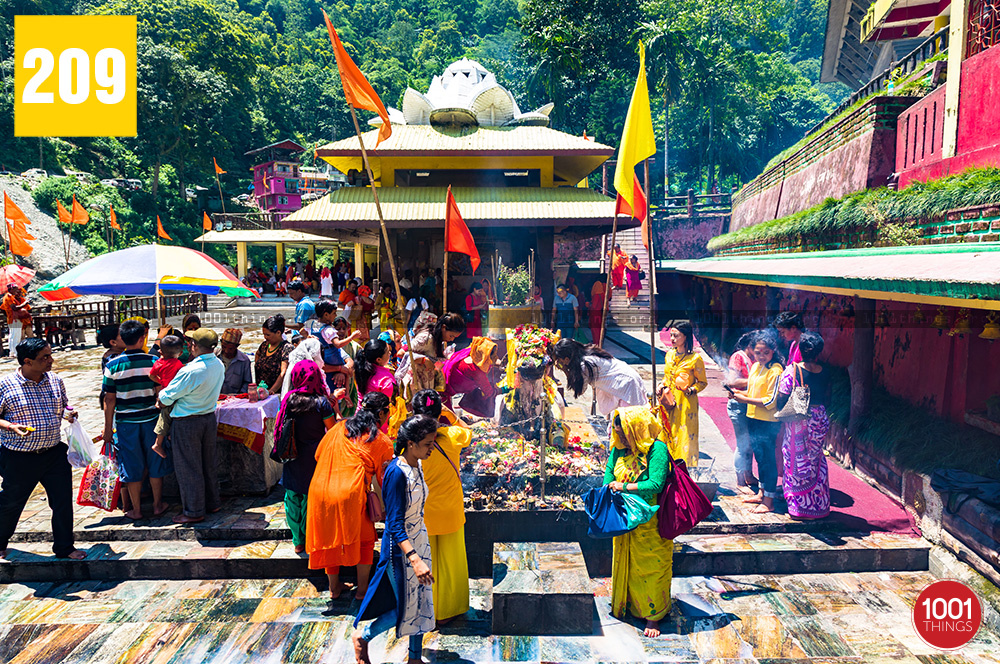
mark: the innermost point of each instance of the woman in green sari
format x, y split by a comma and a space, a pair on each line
642, 566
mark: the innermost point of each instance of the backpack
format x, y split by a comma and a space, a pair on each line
417, 310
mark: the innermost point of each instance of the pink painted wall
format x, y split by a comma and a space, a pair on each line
913, 360
920, 134
978, 141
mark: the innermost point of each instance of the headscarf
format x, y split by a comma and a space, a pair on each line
324, 273
364, 291
308, 349
481, 351
307, 379
640, 427
389, 340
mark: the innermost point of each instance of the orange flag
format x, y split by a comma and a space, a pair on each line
639, 200
64, 215
357, 90
18, 229
206, 222
457, 237
113, 219
80, 216
159, 229
218, 171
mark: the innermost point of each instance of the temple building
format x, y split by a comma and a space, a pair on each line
520, 185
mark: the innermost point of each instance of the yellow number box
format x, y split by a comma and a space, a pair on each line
75, 76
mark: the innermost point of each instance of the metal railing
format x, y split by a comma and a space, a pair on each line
246, 221
693, 204
936, 43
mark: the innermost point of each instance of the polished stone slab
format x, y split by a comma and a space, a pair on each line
541, 589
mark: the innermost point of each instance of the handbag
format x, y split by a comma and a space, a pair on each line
796, 408
285, 448
682, 503
100, 485
642, 275
613, 513
373, 504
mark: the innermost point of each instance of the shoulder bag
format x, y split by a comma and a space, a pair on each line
796, 408
682, 503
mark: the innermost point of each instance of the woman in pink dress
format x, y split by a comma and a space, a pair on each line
633, 284
370, 372
476, 303
471, 373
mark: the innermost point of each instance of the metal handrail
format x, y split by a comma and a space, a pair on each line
936, 43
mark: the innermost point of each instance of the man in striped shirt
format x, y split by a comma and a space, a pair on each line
130, 403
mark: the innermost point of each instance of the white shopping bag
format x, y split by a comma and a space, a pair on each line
82, 450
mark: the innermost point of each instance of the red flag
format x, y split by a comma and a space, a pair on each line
80, 216
64, 215
159, 230
357, 90
206, 222
113, 220
18, 228
457, 237
639, 198
218, 171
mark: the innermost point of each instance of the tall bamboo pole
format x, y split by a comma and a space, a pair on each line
444, 296
385, 234
607, 299
651, 277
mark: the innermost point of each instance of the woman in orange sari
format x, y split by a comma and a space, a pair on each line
618, 260
338, 530
633, 284
597, 295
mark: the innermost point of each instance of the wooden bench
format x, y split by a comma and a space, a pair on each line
541, 588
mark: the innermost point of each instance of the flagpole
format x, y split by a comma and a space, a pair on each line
385, 234
221, 199
444, 296
607, 299
651, 276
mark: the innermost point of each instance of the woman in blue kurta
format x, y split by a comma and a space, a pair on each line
399, 593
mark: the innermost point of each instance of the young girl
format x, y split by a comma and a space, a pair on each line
406, 546
163, 371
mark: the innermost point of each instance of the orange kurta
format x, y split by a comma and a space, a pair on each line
618, 260
336, 519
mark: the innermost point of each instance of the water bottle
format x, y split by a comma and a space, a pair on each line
891, 87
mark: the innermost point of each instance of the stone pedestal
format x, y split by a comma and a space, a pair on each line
541, 588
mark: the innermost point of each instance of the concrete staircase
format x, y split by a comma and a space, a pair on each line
620, 314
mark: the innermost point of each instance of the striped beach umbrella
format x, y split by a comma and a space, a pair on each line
144, 270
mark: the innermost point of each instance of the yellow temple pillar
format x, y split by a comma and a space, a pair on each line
241, 259
279, 258
311, 254
359, 260
956, 54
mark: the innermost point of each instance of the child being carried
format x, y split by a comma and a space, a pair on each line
164, 370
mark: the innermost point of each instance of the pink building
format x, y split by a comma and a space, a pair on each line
276, 180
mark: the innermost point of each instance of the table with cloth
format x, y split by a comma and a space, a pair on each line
246, 438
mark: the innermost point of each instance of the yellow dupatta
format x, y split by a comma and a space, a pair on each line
641, 429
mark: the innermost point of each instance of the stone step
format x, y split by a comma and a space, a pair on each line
695, 555
541, 588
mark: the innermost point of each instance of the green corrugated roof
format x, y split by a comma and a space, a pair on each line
411, 139
353, 207
964, 271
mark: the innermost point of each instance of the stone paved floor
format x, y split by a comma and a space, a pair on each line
799, 619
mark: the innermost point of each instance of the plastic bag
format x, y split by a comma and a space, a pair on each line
82, 450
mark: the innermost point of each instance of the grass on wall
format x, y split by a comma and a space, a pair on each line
917, 439
860, 211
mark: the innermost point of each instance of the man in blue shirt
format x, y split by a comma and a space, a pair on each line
305, 310
194, 393
565, 312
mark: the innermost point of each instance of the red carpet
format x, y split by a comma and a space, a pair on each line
855, 503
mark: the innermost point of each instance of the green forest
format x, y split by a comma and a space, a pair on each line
736, 82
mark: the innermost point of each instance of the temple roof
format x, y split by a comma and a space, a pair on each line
574, 156
423, 207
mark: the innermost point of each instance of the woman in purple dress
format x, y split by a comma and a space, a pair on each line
807, 480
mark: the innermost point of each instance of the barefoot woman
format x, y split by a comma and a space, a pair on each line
642, 563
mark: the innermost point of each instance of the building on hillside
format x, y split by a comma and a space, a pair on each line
517, 182
276, 181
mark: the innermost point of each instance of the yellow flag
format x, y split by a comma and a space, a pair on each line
638, 142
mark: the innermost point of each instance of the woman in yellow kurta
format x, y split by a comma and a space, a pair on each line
642, 562
444, 511
683, 378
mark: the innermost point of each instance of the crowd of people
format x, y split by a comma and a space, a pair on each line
377, 435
